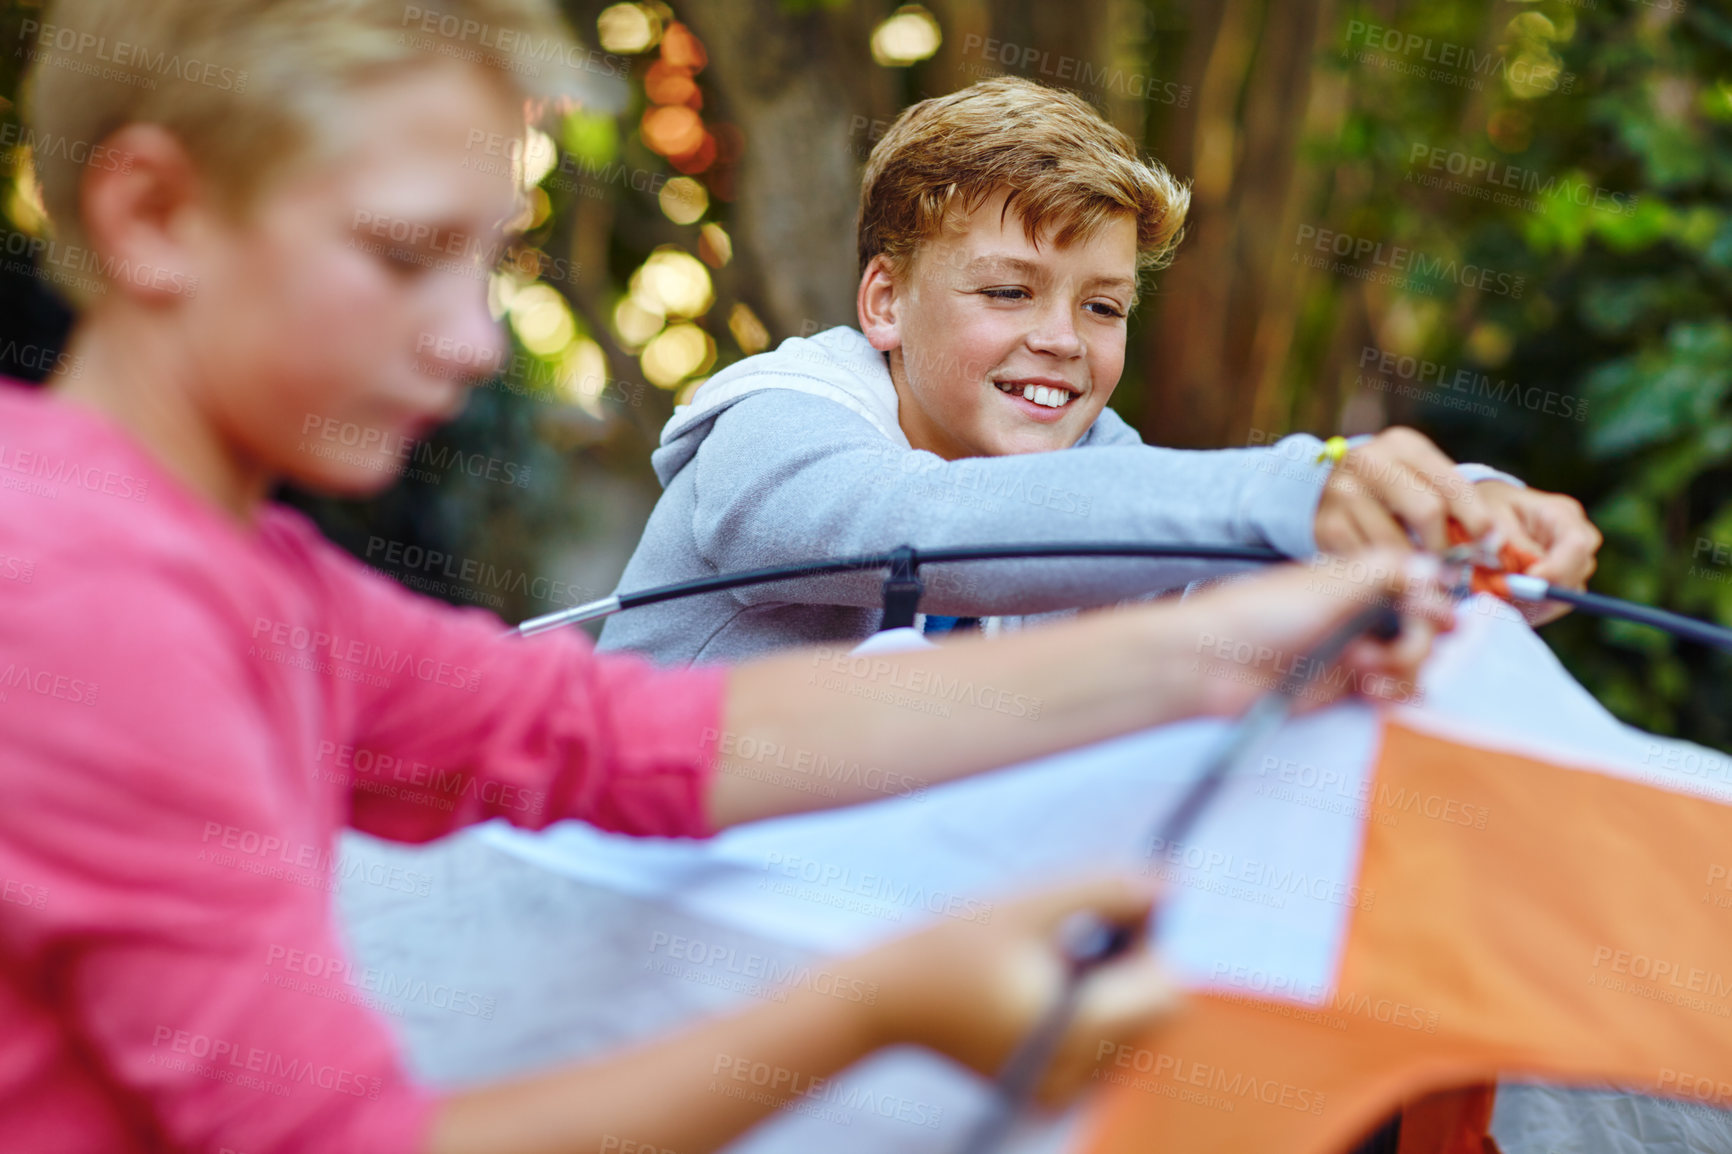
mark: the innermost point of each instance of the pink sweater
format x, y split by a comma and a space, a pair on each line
189, 711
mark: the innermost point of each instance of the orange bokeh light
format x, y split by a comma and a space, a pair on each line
698, 158
673, 130
666, 84
682, 49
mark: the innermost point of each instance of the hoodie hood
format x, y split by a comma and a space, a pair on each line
837, 364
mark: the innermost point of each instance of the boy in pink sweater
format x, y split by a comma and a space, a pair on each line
197, 692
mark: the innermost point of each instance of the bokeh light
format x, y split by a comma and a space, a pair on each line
684, 200
910, 34
681, 49
672, 129
749, 332
25, 205
715, 246
542, 320
628, 28
674, 282
583, 376
665, 84
634, 324
677, 352
540, 154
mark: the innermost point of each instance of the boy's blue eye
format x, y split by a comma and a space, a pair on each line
1106, 310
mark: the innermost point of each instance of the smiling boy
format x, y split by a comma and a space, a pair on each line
1003, 231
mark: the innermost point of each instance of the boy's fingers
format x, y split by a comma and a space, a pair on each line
1119, 1004
1414, 480
1412, 498
1570, 543
1117, 900
1377, 525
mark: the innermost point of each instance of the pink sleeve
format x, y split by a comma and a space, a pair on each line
154, 814
477, 724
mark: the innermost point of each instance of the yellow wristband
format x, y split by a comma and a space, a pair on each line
1334, 449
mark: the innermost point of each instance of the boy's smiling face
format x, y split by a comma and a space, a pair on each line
998, 345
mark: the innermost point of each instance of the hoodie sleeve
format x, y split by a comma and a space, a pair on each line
784, 476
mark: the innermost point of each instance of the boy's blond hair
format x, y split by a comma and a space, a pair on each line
246, 85
1067, 170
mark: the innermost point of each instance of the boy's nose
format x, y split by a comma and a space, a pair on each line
474, 344
1055, 334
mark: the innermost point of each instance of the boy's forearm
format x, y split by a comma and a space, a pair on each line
690, 1093
901, 721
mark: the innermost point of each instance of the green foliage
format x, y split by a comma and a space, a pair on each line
1627, 291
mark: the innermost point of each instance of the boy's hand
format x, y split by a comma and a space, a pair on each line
1252, 631
974, 989
1396, 482
1549, 526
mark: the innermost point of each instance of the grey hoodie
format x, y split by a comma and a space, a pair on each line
796, 454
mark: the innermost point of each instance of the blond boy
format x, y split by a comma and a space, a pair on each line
1003, 233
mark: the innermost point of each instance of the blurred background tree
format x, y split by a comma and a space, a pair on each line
1503, 221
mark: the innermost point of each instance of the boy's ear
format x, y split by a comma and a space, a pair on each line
134, 211
878, 304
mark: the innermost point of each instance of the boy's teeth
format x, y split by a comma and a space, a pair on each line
1039, 394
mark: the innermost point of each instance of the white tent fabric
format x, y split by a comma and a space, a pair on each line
1260, 895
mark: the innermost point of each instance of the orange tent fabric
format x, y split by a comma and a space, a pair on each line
1584, 934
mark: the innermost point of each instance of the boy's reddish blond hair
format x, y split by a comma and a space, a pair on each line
250, 86
1068, 171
